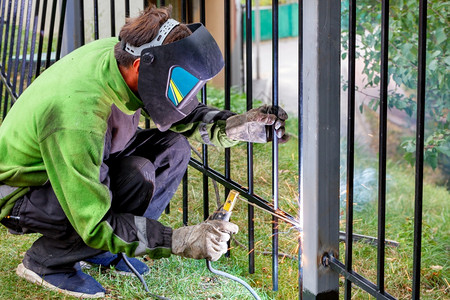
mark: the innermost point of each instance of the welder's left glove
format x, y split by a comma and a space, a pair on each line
205, 240
258, 125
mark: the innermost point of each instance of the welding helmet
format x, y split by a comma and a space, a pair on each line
171, 75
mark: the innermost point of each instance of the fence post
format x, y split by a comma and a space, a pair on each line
319, 188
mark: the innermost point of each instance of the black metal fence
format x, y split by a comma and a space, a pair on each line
32, 37
378, 290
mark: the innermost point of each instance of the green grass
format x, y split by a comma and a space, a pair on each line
435, 268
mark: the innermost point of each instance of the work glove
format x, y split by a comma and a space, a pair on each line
258, 125
205, 240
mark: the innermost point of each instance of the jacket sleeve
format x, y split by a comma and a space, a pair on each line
73, 159
206, 125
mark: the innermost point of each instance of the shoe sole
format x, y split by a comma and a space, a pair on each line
32, 277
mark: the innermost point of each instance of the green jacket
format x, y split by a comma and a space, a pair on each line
60, 130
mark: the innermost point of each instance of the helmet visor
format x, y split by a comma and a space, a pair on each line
182, 85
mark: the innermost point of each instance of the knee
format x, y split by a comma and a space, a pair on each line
132, 184
133, 168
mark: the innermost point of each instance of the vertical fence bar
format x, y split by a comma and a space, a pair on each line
61, 29
112, 7
420, 125
48, 60
25, 47
203, 21
243, 20
82, 37
41, 38
185, 199
350, 145
147, 125
33, 42
167, 209
227, 96
127, 8
11, 42
249, 80
96, 34
384, 77
227, 83
300, 143
6, 22
321, 119
205, 157
5, 52
17, 52
183, 11
275, 145
10, 92
204, 146
185, 177
2, 22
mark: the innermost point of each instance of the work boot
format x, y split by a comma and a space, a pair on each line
108, 260
76, 284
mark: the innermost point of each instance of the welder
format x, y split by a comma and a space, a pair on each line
76, 167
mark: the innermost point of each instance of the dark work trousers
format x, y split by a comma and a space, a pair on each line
142, 180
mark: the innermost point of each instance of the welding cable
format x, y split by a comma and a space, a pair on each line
125, 259
229, 276
210, 268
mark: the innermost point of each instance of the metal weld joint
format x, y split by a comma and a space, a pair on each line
326, 257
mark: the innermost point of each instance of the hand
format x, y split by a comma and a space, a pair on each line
258, 125
205, 240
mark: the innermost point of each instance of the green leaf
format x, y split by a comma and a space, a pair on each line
409, 157
432, 159
444, 149
440, 35
447, 60
433, 65
435, 54
409, 145
406, 48
376, 80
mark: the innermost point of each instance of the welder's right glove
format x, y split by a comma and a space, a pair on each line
258, 125
205, 240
